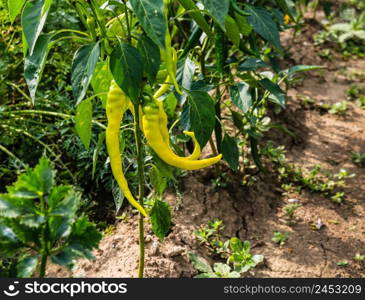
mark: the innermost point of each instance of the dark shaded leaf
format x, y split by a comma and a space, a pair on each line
277, 94
218, 9
241, 96
33, 19
263, 24
199, 116
126, 65
34, 64
151, 57
158, 181
252, 64
83, 66
151, 16
160, 218
230, 151
27, 266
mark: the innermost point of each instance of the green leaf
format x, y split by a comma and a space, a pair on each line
230, 151
10, 207
33, 19
233, 31
277, 94
9, 241
126, 65
99, 145
83, 67
158, 181
218, 9
56, 195
185, 72
151, 57
83, 121
199, 116
263, 24
255, 153
34, 64
27, 266
6, 233
241, 96
251, 64
85, 234
243, 25
170, 104
199, 263
301, 68
35, 182
160, 219
151, 16
222, 269
206, 275
68, 206
235, 244
101, 79
15, 7
64, 258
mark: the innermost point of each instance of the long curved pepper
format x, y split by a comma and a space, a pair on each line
197, 150
151, 128
166, 136
116, 105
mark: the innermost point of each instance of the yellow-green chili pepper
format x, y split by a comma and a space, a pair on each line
165, 132
197, 150
151, 129
117, 104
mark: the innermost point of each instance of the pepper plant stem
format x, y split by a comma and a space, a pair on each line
141, 179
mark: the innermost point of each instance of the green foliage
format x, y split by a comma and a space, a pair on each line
313, 180
338, 108
160, 218
358, 158
39, 220
280, 238
241, 257
236, 253
289, 211
219, 270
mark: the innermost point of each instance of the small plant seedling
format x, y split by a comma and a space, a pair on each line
290, 209
342, 263
236, 253
241, 256
358, 158
338, 197
344, 174
220, 181
219, 270
358, 257
210, 236
280, 238
338, 108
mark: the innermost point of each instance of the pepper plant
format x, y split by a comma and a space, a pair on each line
181, 68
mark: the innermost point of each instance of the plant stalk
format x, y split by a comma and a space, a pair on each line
141, 179
42, 270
